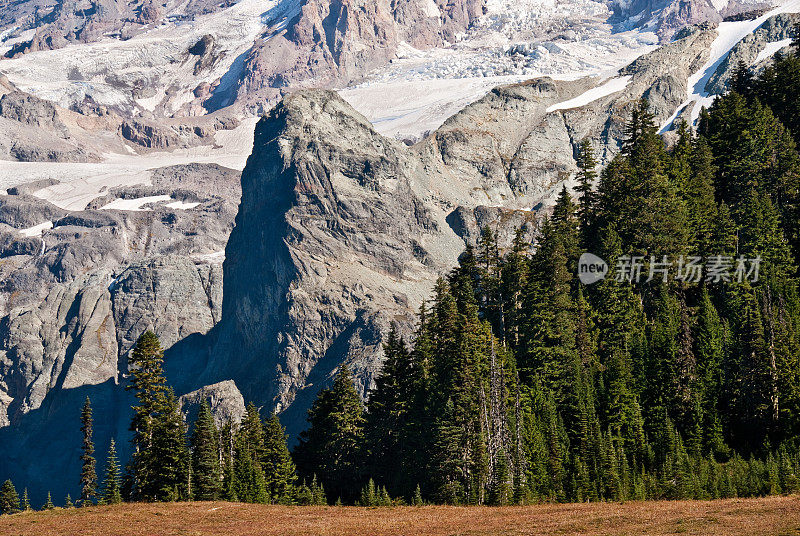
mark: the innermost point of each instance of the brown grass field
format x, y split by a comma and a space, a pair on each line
774, 516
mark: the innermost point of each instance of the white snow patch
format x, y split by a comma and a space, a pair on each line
135, 204
36, 230
728, 35
430, 9
412, 108
217, 257
719, 5
79, 183
150, 103
771, 49
181, 205
608, 88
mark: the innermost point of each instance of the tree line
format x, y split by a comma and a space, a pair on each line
522, 385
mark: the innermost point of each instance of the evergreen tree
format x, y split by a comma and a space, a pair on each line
227, 454
169, 454
206, 481
48, 505
149, 384
416, 500
68, 502
88, 470
25, 503
331, 446
9, 500
742, 80
111, 490
388, 411
248, 479
587, 177
369, 496
278, 465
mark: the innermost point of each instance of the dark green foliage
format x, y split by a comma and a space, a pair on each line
312, 495
9, 500
332, 446
48, 505
417, 498
587, 177
227, 453
111, 489
25, 503
278, 465
88, 463
248, 476
533, 387
68, 502
206, 477
169, 455
159, 467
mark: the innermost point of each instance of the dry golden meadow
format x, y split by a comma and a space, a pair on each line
774, 516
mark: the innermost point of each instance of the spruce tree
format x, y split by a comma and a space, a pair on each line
111, 486
279, 468
587, 177
227, 450
249, 483
416, 500
369, 495
169, 454
48, 505
206, 481
9, 500
389, 408
25, 503
68, 502
88, 469
149, 386
332, 445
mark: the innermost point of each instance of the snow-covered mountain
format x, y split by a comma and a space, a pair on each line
125, 127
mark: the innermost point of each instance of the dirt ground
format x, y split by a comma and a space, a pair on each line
774, 516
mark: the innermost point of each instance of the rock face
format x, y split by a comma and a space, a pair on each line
72, 21
74, 299
666, 17
777, 28
329, 247
342, 231
225, 400
30, 110
336, 42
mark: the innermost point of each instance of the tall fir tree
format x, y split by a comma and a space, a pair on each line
25, 503
111, 485
149, 386
331, 447
88, 464
206, 476
279, 467
9, 500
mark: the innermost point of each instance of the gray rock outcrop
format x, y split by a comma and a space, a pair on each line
226, 403
774, 29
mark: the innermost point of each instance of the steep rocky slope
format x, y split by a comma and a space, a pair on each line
78, 288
